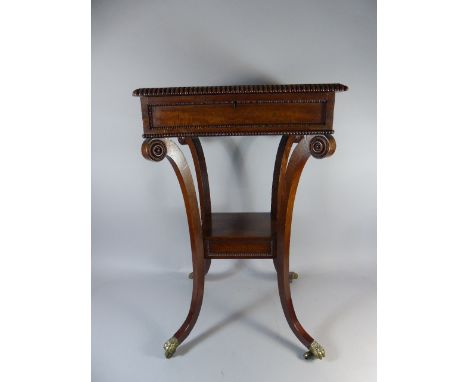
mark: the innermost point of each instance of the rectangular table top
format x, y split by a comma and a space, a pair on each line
238, 110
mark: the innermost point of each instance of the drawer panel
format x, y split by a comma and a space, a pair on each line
239, 246
237, 113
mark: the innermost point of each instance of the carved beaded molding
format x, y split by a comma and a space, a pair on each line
214, 134
241, 89
239, 102
234, 254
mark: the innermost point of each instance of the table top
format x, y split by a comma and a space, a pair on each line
299, 109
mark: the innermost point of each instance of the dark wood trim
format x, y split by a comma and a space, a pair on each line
234, 133
239, 89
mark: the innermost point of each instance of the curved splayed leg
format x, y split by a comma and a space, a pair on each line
199, 163
157, 150
319, 146
281, 162
207, 268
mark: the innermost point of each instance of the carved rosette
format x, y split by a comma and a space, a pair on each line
322, 146
154, 149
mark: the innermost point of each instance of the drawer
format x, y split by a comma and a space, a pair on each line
237, 113
239, 247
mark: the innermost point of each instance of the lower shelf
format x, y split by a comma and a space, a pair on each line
239, 235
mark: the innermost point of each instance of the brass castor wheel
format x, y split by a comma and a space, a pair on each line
315, 351
170, 346
190, 275
293, 276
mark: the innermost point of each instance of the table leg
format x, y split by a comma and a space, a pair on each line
201, 171
292, 275
319, 146
281, 162
199, 163
207, 268
157, 150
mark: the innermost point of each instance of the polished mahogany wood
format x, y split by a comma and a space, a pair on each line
238, 110
199, 163
202, 178
240, 235
156, 150
287, 194
301, 114
282, 156
238, 113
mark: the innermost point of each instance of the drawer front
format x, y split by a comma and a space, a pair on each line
239, 247
237, 113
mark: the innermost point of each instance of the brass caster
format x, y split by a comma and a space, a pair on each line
293, 276
190, 275
170, 347
308, 355
315, 350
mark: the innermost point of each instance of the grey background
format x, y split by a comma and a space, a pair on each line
140, 243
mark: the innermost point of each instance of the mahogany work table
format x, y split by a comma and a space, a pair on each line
301, 114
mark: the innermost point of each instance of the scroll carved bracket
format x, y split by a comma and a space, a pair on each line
322, 146
154, 149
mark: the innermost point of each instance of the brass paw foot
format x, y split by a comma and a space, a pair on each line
190, 275
293, 276
170, 347
315, 350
